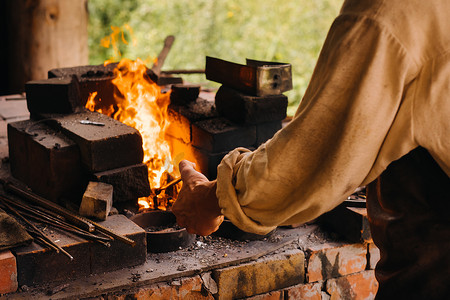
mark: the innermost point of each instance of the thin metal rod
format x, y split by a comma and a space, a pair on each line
35, 229
79, 220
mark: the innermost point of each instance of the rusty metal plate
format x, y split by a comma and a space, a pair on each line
258, 78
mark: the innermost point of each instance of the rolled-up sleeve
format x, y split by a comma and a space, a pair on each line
331, 145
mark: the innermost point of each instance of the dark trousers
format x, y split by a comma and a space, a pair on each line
409, 214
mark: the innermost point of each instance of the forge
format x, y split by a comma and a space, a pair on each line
80, 129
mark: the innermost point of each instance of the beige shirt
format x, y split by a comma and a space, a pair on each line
381, 88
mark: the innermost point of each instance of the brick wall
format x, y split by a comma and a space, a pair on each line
321, 271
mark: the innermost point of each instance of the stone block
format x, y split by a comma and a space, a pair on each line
55, 95
207, 162
113, 145
182, 94
265, 131
350, 223
334, 260
46, 160
179, 126
307, 291
362, 285
260, 276
242, 108
185, 288
38, 265
275, 295
8, 272
119, 255
130, 182
374, 255
92, 78
97, 200
219, 135
200, 109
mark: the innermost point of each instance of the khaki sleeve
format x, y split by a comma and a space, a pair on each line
327, 150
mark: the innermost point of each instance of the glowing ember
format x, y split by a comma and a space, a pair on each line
140, 104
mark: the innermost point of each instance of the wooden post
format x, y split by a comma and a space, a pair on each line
44, 34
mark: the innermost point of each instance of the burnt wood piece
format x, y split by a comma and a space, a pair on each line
349, 222
265, 131
182, 94
56, 95
102, 148
242, 108
38, 265
45, 160
130, 182
257, 78
219, 135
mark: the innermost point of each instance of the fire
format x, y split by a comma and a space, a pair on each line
139, 103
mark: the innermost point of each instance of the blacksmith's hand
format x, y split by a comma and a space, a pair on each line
197, 206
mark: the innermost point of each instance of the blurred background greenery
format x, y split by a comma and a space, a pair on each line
290, 31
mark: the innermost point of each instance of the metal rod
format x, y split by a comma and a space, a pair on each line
35, 229
157, 191
49, 219
79, 220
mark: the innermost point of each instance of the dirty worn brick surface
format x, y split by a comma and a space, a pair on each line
362, 285
102, 148
334, 260
8, 272
275, 295
260, 276
130, 182
242, 108
183, 288
44, 159
92, 78
351, 223
119, 255
38, 265
374, 255
219, 134
307, 291
55, 95
182, 94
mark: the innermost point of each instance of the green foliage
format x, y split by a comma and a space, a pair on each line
288, 31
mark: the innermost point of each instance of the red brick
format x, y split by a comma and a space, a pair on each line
275, 295
261, 276
159, 291
361, 285
8, 272
308, 291
335, 260
184, 288
374, 255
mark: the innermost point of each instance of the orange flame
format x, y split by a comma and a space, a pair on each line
141, 105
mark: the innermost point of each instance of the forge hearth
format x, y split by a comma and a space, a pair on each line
56, 156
